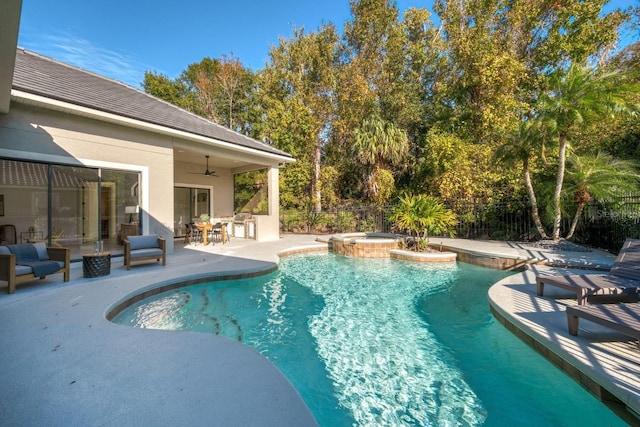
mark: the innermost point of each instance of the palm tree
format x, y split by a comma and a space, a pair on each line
521, 147
598, 177
379, 144
580, 96
423, 215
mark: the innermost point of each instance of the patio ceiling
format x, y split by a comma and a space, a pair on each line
220, 158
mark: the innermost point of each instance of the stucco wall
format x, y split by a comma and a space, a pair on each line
35, 134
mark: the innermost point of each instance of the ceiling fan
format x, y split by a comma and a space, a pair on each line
207, 172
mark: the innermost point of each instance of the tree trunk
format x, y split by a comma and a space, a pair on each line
534, 202
576, 218
315, 184
557, 208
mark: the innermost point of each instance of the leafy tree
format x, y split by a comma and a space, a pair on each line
220, 90
223, 88
500, 51
369, 77
297, 88
176, 92
458, 171
484, 77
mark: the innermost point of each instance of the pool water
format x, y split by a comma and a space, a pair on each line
383, 342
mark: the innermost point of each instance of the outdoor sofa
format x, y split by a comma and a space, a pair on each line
142, 248
625, 274
30, 260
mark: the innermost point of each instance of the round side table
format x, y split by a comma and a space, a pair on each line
96, 265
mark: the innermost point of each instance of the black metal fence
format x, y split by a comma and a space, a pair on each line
607, 224
341, 220
603, 224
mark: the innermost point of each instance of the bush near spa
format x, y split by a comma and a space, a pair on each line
422, 216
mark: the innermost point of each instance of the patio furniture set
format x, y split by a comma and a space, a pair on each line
24, 261
205, 232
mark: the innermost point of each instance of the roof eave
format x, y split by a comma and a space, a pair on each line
27, 98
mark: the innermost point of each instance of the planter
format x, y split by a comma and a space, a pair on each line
423, 256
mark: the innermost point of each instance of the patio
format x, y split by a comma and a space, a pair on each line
63, 361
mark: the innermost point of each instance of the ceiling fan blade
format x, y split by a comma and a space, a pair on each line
207, 172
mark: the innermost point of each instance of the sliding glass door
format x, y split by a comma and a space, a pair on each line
189, 204
68, 206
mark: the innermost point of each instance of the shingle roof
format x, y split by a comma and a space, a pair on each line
39, 75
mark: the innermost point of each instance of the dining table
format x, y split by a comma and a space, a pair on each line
205, 227
221, 228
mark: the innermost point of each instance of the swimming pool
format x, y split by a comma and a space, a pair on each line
383, 342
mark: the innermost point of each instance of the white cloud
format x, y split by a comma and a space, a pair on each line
84, 54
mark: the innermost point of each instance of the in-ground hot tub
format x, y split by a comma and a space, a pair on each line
365, 245
383, 245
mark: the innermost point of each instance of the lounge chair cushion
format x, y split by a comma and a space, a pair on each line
144, 242
28, 269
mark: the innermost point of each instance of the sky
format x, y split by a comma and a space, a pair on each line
121, 39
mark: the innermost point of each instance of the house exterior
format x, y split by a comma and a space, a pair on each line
84, 158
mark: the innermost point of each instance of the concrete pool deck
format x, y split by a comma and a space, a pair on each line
63, 362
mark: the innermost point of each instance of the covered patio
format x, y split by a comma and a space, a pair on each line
85, 159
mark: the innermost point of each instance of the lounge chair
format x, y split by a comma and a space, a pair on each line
624, 318
624, 274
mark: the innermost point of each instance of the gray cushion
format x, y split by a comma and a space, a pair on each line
143, 242
141, 253
5, 250
23, 269
42, 251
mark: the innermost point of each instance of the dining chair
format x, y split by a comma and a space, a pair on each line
196, 234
